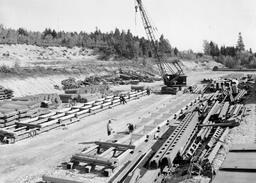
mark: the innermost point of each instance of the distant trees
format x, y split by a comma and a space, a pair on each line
240, 43
165, 46
231, 56
121, 43
211, 48
22, 32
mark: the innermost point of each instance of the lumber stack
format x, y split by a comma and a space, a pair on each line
26, 119
53, 99
5, 93
8, 117
81, 98
66, 98
13, 111
138, 88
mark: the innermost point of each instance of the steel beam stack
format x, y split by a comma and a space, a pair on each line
175, 142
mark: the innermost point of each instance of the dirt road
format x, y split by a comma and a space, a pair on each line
33, 157
29, 159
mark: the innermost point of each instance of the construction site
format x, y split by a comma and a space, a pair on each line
74, 118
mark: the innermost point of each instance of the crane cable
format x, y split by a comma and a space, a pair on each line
135, 15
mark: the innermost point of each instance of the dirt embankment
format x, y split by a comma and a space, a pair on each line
29, 69
57, 57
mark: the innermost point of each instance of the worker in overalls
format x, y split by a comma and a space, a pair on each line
130, 128
122, 99
109, 128
148, 91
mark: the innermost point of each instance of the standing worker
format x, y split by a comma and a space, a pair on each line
130, 127
109, 128
156, 135
122, 99
148, 91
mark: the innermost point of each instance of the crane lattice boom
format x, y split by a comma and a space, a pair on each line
171, 76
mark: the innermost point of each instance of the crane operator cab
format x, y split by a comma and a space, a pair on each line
174, 80
173, 83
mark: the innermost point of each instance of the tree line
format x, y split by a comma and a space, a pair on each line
121, 43
231, 56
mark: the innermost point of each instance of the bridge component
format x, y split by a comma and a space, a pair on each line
175, 142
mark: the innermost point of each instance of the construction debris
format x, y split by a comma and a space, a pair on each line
5, 93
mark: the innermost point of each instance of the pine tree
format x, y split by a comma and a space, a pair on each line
240, 44
206, 47
176, 51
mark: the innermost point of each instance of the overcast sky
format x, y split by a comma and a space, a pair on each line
186, 23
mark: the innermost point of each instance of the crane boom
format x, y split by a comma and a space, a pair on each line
171, 78
150, 34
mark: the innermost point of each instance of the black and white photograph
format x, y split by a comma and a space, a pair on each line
127, 91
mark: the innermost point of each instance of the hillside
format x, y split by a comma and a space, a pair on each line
37, 69
31, 56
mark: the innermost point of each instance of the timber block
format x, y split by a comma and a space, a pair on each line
165, 170
72, 165
69, 166
88, 168
108, 172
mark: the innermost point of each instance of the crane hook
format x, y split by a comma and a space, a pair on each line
136, 9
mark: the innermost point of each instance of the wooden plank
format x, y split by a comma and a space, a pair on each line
86, 107
47, 115
67, 117
58, 180
70, 121
243, 148
64, 110
105, 153
29, 120
57, 116
106, 104
77, 106
115, 101
100, 100
49, 123
96, 160
108, 100
90, 103
6, 124
72, 111
11, 118
95, 108
109, 97
43, 120
116, 145
83, 112
7, 133
98, 103
28, 125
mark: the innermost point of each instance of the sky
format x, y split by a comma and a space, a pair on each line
185, 23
